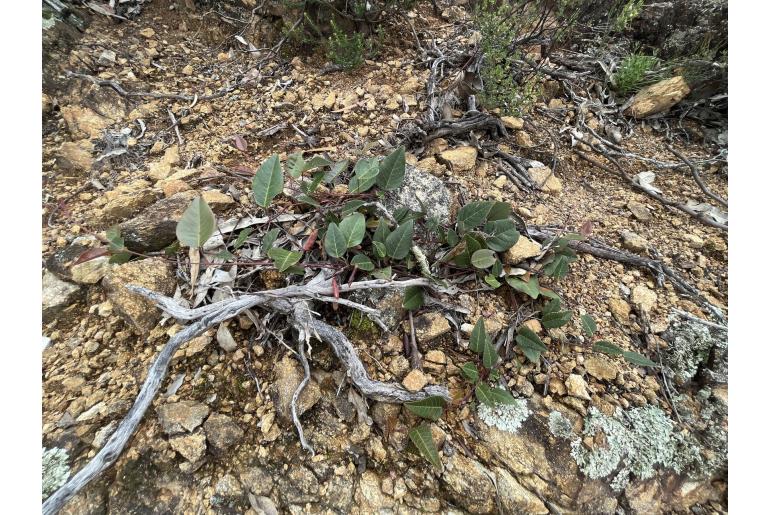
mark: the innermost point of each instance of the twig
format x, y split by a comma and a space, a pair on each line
414, 356
657, 196
175, 125
304, 338
697, 176
661, 270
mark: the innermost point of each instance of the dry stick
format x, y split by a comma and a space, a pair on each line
414, 356
602, 250
120, 90
657, 196
175, 125
697, 176
208, 316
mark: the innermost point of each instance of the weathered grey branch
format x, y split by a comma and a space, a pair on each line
601, 250
292, 301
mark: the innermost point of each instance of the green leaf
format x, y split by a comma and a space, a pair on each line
307, 199
295, 164
484, 395
413, 298
530, 344
638, 359
172, 249
490, 357
114, 238
470, 371
483, 258
379, 249
337, 169
558, 267
589, 325
268, 181
478, 337
383, 273
430, 407
492, 281
362, 263
310, 187
317, 162
382, 232
545, 292
399, 241
365, 175
334, 241
499, 211
196, 225
392, 170
503, 235
283, 258
474, 214
120, 258
225, 254
492, 396
353, 229
552, 306
422, 438
531, 287
557, 319
351, 207
608, 348
242, 237
452, 238
269, 238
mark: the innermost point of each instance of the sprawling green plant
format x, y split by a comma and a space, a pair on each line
354, 232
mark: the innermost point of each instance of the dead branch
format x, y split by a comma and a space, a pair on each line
660, 270
697, 176
120, 90
291, 301
701, 217
471, 121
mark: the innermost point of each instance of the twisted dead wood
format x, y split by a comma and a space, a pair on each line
292, 301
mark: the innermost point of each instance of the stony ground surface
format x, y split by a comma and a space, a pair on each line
220, 440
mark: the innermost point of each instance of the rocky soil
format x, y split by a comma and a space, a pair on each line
591, 433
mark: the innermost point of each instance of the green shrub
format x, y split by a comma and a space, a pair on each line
500, 27
346, 50
626, 15
635, 72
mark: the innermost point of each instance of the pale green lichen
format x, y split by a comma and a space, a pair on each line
55, 470
636, 443
506, 417
559, 425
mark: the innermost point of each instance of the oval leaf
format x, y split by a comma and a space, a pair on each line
334, 241
196, 225
422, 438
398, 243
483, 258
430, 407
392, 170
413, 298
268, 181
353, 228
284, 259
608, 348
589, 325
470, 371
362, 263
478, 337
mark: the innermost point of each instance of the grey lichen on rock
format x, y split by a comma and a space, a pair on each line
633, 443
559, 425
506, 417
421, 190
56, 470
695, 346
